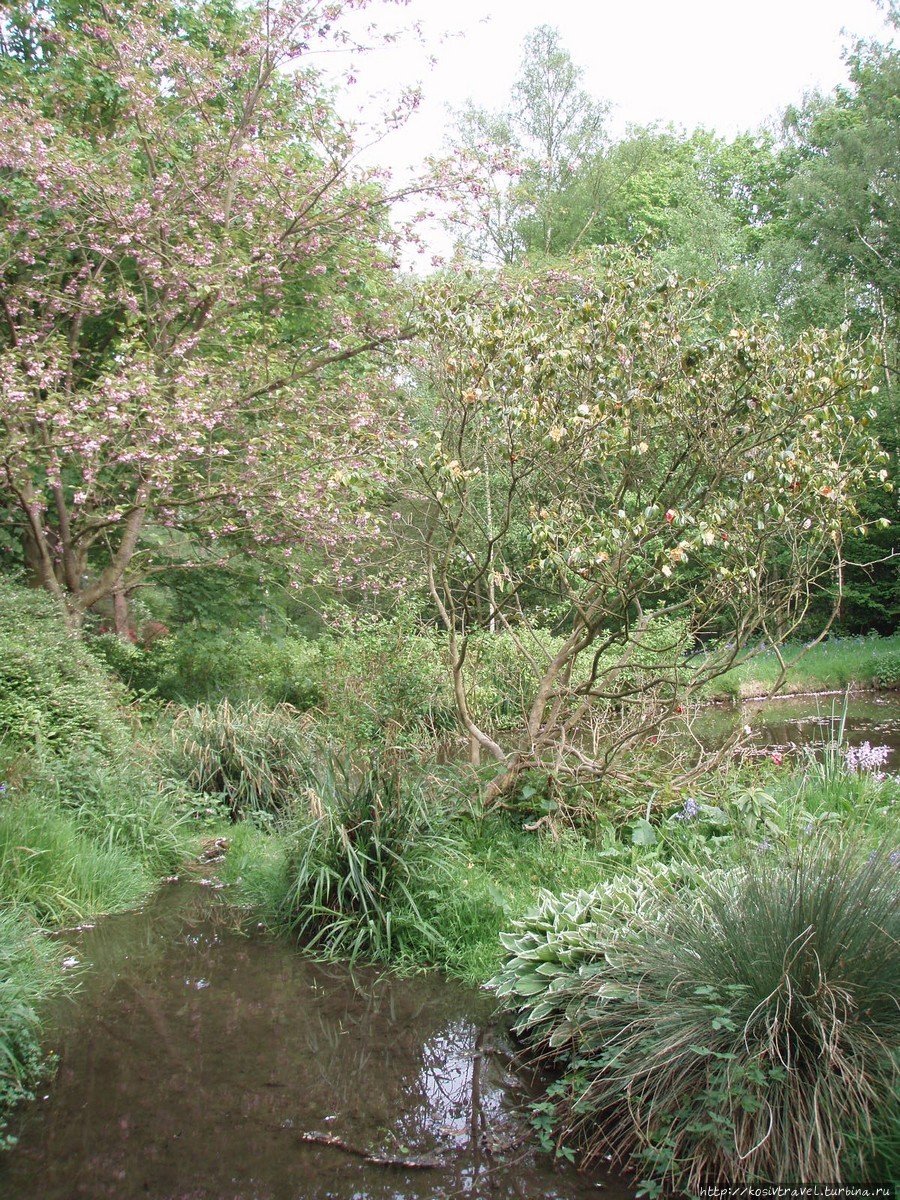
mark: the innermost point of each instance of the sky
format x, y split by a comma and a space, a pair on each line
726, 65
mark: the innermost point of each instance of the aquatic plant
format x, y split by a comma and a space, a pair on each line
357, 860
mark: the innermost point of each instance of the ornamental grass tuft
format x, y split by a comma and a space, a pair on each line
358, 861
255, 759
744, 1029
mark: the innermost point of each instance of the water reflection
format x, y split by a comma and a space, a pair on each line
795, 721
195, 1057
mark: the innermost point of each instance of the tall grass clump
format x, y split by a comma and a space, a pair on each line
56, 871
120, 806
746, 1030
357, 863
28, 972
252, 758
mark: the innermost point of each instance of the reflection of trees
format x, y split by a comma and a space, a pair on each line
196, 1055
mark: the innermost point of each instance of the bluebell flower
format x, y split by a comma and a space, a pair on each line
690, 811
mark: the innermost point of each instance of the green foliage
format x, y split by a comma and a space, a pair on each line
385, 683
679, 479
556, 939
834, 664
120, 806
253, 759
888, 670
195, 666
53, 694
357, 862
28, 972
744, 1028
52, 867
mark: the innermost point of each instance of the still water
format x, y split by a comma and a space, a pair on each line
196, 1060
796, 721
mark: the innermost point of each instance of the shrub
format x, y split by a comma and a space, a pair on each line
888, 670
194, 666
253, 758
357, 861
747, 1030
384, 685
53, 693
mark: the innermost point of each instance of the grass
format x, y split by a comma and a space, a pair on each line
252, 758
56, 871
745, 1030
835, 664
79, 836
28, 974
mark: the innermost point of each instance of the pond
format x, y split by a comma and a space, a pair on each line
198, 1062
795, 721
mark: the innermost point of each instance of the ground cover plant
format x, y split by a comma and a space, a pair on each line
53, 693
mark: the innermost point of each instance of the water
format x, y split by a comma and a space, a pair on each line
195, 1058
795, 721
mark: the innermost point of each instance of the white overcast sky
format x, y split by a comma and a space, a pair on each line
719, 63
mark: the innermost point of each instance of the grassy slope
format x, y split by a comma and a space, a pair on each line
838, 663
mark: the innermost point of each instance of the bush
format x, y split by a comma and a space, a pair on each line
888, 670
257, 760
194, 666
53, 693
385, 685
747, 1030
356, 863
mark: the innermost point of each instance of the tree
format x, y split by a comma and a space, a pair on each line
845, 191
187, 263
661, 464
835, 250
525, 161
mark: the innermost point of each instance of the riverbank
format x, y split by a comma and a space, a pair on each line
834, 665
367, 852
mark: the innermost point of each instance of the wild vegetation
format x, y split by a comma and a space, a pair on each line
412, 591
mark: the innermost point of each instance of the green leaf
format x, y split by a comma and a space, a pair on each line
643, 833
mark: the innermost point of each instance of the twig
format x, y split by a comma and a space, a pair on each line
378, 1160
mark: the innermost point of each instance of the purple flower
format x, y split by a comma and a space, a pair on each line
690, 811
866, 757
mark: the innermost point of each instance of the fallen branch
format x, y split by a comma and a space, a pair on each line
378, 1160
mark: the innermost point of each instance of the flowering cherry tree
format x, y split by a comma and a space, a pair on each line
613, 481
191, 275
